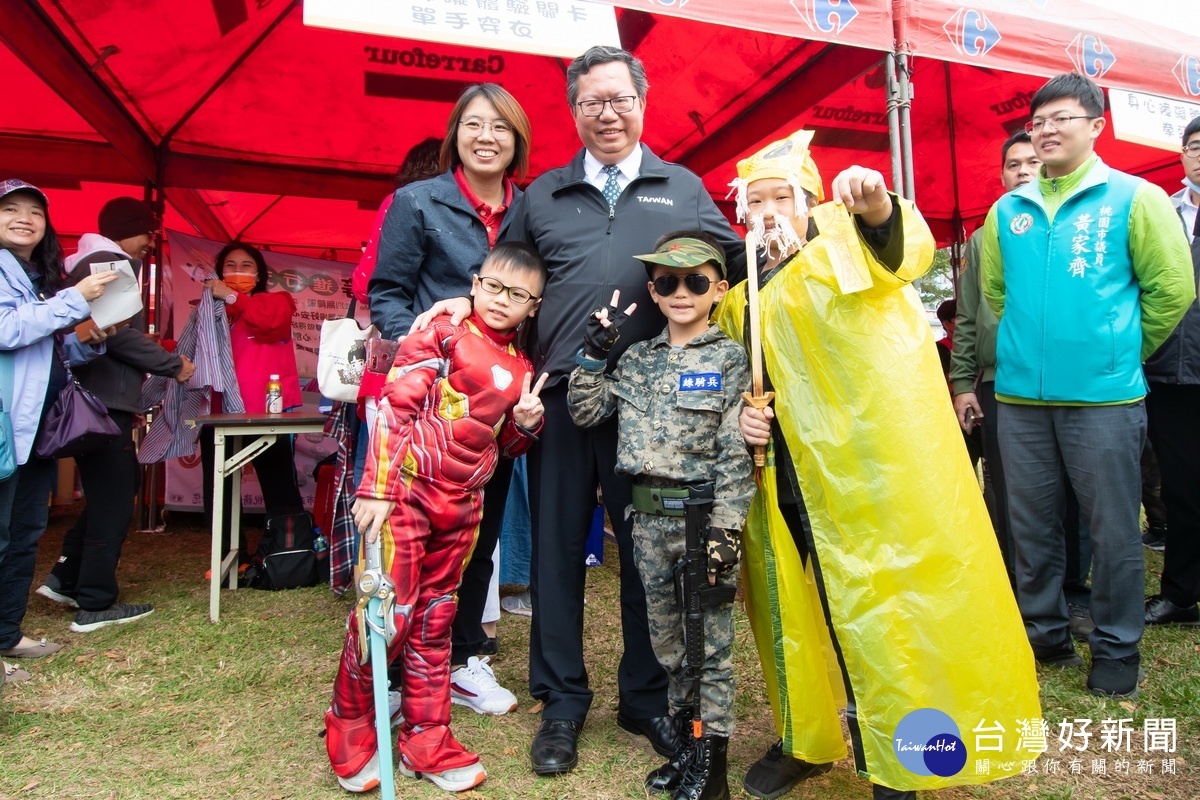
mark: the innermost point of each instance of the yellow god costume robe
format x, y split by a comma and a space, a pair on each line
903, 558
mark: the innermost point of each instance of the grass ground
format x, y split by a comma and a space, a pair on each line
174, 707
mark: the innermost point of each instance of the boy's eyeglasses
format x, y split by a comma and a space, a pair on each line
493, 286
1192, 150
696, 283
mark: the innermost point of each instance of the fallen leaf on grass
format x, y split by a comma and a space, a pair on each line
1165, 660
1128, 706
536, 709
112, 654
30, 786
92, 657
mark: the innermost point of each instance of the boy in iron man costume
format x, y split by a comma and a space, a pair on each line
458, 398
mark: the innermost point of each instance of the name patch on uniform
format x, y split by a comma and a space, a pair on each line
700, 382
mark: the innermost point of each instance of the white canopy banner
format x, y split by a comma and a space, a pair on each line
561, 28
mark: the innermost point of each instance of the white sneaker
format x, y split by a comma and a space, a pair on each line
459, 779
365, 779
475, 686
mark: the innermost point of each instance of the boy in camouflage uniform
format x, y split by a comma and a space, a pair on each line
677, 398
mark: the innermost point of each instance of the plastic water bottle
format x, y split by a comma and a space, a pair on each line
274, 396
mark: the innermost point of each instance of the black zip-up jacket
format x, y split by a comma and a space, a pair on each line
590, 254
1178, 359
116, 376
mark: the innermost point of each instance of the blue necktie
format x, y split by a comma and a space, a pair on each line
612, 189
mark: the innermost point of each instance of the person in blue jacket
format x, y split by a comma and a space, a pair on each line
33, 308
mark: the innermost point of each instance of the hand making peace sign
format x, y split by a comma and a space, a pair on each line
528, 410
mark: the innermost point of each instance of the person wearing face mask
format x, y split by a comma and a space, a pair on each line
85, 576
260, 335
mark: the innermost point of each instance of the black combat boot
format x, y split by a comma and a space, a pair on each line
666, 778
706, 777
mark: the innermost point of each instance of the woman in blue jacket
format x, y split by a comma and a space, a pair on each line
434, 236
33, 307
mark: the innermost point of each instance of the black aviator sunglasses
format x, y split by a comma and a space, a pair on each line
695, 282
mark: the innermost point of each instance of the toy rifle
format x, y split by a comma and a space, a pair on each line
697, 594
377, 623
756, 397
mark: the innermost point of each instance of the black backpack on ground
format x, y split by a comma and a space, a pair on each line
285, 558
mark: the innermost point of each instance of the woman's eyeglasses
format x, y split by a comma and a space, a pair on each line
500, 130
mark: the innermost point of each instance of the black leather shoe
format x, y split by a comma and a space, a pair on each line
1161, 611
661, 732
555, 747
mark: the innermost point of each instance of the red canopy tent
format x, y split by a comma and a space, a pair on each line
256, 126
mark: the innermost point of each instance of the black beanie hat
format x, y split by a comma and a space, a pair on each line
126, 217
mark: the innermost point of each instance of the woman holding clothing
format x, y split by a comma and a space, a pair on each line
260, 335
33, 308
434, 237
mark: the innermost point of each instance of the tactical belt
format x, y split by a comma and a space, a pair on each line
666, 501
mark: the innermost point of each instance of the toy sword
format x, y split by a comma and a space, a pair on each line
376, 599
756, 397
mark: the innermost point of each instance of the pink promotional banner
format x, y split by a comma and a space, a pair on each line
1148, 47
863, 23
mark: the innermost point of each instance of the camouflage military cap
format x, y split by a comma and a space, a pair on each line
685, 253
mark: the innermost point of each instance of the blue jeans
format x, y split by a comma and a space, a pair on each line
515, 545
1098, 449
24, 511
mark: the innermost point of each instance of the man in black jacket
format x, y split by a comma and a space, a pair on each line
588, 219
85, 576
1174, 425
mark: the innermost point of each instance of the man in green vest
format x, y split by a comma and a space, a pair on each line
1089, 271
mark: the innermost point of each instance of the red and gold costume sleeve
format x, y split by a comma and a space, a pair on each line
421, 360
267, 315
515, 440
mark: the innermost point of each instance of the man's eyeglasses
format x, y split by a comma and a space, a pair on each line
1192, 150
594, 108
493, 286
499, 129
1057, 122
696, 283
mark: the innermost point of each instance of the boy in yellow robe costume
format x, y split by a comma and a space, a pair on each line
872, 576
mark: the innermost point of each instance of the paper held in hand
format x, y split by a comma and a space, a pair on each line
841, 244
122, 298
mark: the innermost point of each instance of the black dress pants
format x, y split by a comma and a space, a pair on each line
466, 634
1173, 414
275, 468
110, 475
564, 468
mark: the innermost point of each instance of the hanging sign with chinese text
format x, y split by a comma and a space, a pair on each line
562, 28
1150, 120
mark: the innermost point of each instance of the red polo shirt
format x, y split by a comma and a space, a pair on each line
490, 217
